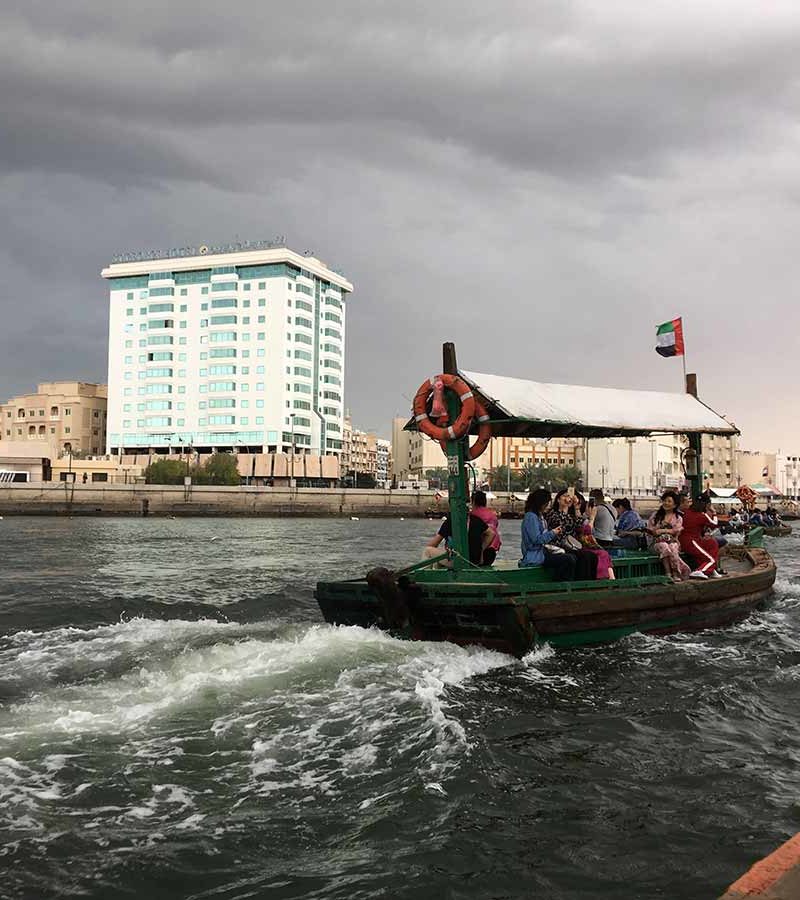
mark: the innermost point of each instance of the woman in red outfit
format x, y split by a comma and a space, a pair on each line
702, 550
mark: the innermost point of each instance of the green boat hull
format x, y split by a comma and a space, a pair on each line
515, 610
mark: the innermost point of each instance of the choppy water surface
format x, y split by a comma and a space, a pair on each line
176, 721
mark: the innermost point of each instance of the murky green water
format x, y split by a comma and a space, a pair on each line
176, 721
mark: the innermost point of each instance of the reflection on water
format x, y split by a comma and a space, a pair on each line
177, 721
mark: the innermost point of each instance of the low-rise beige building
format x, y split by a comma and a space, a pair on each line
413, 453
61, 417
756, 467
518, 453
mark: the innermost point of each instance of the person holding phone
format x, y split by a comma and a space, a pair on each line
569, 520
536, 537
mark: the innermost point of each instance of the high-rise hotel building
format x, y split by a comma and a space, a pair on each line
225, 348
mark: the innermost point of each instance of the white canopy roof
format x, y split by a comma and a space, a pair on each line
533, 409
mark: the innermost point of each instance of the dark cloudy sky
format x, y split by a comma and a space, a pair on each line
542, 182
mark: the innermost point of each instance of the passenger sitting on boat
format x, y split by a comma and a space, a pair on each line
695, 542
664, 528
479, 538
563, 515
536, 535
630, 526
756, 518
605, 519
481, 511
604, 568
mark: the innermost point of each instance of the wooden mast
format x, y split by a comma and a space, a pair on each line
695, 443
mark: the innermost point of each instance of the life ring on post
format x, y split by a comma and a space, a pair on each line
461, 425
484, 434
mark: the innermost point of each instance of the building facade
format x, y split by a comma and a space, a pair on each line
641, 465
61, 417
363, 454
720, 457
757, 467
413, 453
519, 453
383, 462
224, 349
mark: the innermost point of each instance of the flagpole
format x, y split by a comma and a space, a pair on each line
683, 356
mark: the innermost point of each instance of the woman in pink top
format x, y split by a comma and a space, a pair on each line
665, 527
481, 511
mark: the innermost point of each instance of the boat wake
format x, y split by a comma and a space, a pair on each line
176, 724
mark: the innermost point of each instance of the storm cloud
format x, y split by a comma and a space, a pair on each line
542, 183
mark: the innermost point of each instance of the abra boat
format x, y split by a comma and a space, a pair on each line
777, 530
511, 609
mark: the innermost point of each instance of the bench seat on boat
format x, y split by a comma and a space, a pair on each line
631, 564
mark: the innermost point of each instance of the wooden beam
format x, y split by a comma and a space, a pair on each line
449, 364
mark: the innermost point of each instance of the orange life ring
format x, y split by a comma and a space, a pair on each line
461, 425
484, 433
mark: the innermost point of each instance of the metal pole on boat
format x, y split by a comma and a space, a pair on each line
695, 444
456, 471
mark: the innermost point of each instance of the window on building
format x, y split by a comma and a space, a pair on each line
99, 476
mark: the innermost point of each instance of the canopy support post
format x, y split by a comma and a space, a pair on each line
456, 471
696, 480
695, 443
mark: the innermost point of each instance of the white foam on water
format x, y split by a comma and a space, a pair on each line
27, 791
162, 685
382, 714
294, 715
37, 654
786, 588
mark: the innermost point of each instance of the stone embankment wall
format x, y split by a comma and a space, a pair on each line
62, 498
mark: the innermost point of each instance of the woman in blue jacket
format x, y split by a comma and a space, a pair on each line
535, 534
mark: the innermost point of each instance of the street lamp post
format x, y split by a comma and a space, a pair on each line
291, 477
603, 473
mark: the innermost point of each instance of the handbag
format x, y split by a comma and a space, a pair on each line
554, 549
572, 543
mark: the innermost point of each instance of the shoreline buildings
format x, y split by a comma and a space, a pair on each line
226, 348
60, 417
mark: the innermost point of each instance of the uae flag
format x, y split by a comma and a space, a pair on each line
669, 338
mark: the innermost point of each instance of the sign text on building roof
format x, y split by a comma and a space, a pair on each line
200, 250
